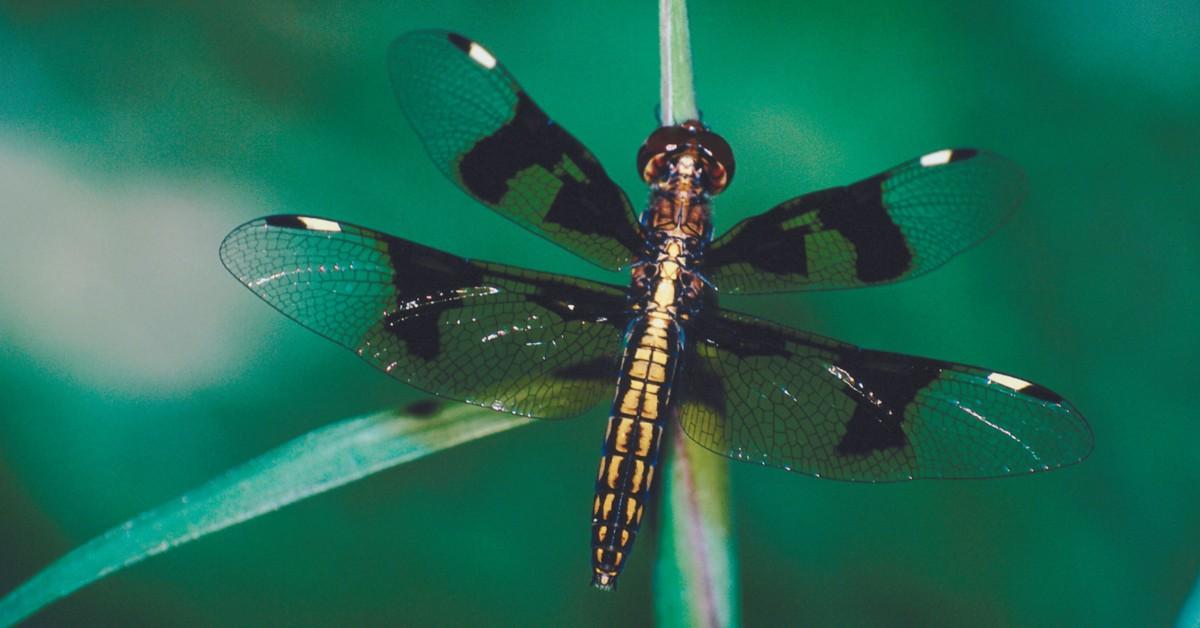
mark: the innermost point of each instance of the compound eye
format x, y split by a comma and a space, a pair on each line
662, 141
720, 152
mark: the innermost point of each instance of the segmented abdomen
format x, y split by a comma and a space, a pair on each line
632, 441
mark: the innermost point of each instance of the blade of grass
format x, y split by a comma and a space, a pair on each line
1189, 616
675, 62
323, 459
695, 577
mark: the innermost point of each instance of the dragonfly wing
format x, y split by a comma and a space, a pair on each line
759, 392
893, 226
485, 133
511, 339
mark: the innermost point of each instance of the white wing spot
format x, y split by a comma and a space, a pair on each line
482, 56
319, 224
1009, 381
937, 158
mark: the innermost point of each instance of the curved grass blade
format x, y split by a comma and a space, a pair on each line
1189, 617
678, 92
695, 578
323, 459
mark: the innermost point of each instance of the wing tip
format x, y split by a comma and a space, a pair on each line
279, 221
402, 45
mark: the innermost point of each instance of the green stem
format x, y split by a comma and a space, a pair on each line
675, 58
1189, 617
695, 576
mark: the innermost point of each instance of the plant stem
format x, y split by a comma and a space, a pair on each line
1189, 617
678, 94
695, 577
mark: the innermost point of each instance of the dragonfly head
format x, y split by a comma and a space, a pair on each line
666, 146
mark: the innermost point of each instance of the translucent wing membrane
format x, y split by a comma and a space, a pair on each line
485, 133
759, 392
893, 226
507, 338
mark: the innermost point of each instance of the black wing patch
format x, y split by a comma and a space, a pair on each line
497, 336
485, 133
759, 392
893, 226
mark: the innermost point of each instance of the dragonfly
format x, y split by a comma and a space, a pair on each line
552, 346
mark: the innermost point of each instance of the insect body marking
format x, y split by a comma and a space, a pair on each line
664, 293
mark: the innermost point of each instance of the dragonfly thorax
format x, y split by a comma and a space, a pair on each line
684, 165
679, 206
677, 226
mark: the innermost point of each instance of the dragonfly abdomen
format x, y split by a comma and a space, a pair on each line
632, 441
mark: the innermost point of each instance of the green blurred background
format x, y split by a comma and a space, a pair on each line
134, 135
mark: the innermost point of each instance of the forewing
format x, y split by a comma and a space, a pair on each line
759, 392
497, 336
893, 226
485, 133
